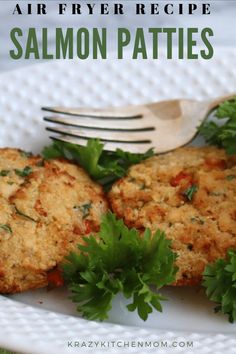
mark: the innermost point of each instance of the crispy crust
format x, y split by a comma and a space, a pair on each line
53, 197
201, 230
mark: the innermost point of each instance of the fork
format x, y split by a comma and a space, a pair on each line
163, 125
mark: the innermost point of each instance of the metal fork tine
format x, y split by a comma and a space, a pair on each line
127, 137
94, 123
134, 148
110, 114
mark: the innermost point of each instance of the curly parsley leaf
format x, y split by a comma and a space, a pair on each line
227, 109
222, 133
103, 166
119, 259
219, 279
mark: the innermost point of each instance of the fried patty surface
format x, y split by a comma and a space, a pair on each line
45, 209
190, 194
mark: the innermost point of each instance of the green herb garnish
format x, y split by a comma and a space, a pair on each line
230, 177
224, 134
219, 279
198, 220
24, 215
25, 172
26, 153
4, 173
190, 191
85, 208
142, 186
5, 351
103, 166
6, 228
116, 260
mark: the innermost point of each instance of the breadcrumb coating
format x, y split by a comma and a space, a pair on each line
190, 193
46, 208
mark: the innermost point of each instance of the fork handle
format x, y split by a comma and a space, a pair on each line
216, 102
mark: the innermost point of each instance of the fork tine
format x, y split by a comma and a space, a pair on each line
109, 146
127, 137
94, 123
112, 113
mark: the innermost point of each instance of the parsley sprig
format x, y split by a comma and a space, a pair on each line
117, 260
219, 279
223, 132
103, 166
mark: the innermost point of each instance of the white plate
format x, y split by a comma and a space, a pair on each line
41, 322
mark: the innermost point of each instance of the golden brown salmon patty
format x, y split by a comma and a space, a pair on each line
191, 194
45, 209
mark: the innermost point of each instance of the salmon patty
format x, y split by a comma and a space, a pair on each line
46, 209
191, 195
